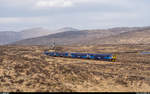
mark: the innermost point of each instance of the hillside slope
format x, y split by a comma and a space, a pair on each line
66, 38
9, 36
136, 37
34, 32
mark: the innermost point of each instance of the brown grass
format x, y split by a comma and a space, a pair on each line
26, 68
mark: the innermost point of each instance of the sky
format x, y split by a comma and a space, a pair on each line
81, 14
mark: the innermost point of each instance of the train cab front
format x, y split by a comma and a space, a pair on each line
114, 57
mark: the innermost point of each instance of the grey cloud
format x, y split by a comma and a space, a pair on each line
82, 15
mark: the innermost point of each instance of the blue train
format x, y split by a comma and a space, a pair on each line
108, 57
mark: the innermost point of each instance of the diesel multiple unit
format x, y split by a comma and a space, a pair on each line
108, 57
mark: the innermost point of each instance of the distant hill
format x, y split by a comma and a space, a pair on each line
65, 29
70, 37
34, 32
37, 32
7, 37
140, 36
123, 35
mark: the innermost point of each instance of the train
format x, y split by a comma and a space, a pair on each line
105, 57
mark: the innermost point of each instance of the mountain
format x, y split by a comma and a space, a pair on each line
69, 37
9, 36
37, 32
140, 36
65, 29
34, 32
125, 35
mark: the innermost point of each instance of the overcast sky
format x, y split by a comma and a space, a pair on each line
81, 14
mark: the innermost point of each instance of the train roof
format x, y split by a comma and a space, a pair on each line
99, 54
92, 54
83, 53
